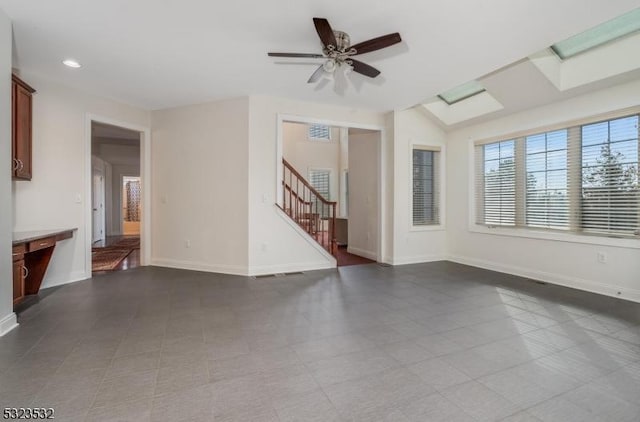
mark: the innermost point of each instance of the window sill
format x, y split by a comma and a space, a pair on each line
428, 228
559, 237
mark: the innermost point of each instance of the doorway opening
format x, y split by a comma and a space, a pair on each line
116, 198
342, 164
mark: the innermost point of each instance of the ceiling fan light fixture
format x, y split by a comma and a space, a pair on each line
329, 66
337, 50
328, 76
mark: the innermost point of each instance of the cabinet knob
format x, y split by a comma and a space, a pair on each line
21, 164
25, 271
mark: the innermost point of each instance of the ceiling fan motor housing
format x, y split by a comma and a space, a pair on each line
343, 40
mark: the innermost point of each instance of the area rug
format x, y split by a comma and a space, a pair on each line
128, 242
107, 259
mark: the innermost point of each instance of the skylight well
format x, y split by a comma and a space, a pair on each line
609, 31
461, 92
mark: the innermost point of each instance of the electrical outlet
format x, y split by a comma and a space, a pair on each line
187, 243
602, 257
264, 247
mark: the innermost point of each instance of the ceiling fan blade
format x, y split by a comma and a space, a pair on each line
325, 32
377, 43
316, 75
304, 55
364, 68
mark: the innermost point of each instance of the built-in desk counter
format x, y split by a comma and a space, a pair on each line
32, 252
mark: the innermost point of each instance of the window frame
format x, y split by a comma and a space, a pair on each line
580, 236
329, 172
439, 182
529, 215
315, 139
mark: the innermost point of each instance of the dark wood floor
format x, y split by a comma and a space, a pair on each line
131, 261
345, 258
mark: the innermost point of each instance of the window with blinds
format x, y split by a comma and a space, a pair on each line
425, 199
319, 133
499, 183
546, 180
610, 191
319, 179
582, 179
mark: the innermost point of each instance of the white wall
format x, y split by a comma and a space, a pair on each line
48, 201
364, 155
304, 154
200, 185
274, 245
7, 317
343, 166
415, 244
562, 262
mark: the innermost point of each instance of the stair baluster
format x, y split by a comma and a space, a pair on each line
308, 208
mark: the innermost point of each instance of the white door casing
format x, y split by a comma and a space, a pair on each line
97, 205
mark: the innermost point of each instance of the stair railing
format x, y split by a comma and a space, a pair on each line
308, 208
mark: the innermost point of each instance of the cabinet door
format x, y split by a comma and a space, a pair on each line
22, 132
14, 160
18, 281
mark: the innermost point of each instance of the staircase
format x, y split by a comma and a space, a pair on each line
307, 207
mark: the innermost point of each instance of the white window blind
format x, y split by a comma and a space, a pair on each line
319, 133
610, 191
425, 204
581, 179
495, 168
546, 182
319, 179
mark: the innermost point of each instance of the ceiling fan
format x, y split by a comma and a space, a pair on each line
337, 50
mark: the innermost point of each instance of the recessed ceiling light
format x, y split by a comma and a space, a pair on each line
71, 63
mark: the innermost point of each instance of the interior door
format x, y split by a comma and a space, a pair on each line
97, 204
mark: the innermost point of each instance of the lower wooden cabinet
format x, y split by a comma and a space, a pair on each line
19, 273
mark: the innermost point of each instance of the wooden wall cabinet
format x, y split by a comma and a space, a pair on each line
21, 110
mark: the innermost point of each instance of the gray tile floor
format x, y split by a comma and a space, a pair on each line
429, 342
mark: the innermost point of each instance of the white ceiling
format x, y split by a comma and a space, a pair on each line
115, 145
158, 54
521, 86
113, 133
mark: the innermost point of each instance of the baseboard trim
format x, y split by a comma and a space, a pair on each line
59, 281
200, 266
416, 259
363, 253
572, 282
8, 323
289, 268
